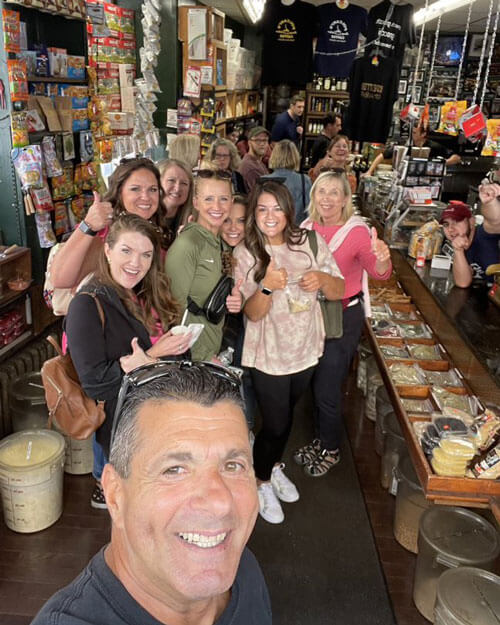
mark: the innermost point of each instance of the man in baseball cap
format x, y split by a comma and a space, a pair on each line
252, 167
474, 249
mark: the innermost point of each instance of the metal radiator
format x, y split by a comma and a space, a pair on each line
27, 360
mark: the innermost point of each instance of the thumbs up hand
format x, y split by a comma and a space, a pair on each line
234, 300
275, 278
381, 251
137, 358
100, 214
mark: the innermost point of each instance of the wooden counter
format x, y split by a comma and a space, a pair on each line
444, 490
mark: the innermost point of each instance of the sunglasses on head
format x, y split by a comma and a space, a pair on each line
163, 369
333, 170
218, 174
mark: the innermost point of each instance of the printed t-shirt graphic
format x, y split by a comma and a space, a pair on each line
288, 33
393, 25
373, 91
338, 32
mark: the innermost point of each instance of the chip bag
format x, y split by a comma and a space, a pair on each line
450, 114
492, 144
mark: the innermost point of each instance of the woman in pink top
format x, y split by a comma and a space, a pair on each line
356, 254
284, 333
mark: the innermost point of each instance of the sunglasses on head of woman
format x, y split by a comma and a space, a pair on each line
218, 174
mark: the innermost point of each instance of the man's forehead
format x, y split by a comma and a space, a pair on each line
173, 411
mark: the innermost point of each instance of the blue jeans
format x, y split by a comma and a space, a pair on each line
99, 459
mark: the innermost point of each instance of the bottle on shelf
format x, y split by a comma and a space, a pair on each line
320, 83
338, 85
344, 85
333, 85
328, 83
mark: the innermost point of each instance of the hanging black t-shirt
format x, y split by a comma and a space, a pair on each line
373, 91
393, 25
338, 32
287, 51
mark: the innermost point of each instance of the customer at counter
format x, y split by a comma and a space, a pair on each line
474, 249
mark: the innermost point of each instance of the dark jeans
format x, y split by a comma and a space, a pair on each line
276, 397
329, 375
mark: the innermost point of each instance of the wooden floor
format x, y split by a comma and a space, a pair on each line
34, 566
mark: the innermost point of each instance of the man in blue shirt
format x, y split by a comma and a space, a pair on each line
287, 124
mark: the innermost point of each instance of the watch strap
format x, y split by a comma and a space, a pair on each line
264, 289
86, 229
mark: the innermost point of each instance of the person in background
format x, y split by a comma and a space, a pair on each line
134, 187
474, 249
331, 215
185, 148
222, 154
177, 184
287, 125
284, 333
420, 137
337, 158
138, 308
285, 163
180, 490
489, 194
234, 135
194, 262
332, 125
252, 166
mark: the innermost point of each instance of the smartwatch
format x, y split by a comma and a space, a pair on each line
264, 289
86, 229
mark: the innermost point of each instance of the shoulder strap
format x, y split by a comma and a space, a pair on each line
313, 242
303, 191
98, 306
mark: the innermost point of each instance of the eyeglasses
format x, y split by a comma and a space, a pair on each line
222, 155
211, 173
261, 141
163, 369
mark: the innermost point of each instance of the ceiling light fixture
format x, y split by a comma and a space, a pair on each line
254, 9
436, 9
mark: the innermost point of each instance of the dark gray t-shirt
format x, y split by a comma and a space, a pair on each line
97, 597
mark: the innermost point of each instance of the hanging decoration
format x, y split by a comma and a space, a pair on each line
492, 144
464, 45
433, 59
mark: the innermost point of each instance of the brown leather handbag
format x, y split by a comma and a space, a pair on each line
70, 410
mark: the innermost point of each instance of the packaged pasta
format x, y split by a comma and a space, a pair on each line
28, 164
19, 126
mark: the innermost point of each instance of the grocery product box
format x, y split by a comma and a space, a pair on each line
80, 120
58, 61
121, 123
76, 67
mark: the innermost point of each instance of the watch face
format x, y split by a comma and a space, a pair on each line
266, 291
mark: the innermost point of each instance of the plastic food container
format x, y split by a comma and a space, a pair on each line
79, 456
31, 479
28, 409
449, 538
364, 352
374, 380
467, 595
410, 505
383, 408
394, 448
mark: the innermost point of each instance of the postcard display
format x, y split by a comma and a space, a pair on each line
68, 119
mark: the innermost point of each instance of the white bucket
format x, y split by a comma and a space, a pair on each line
79, 458
31, 479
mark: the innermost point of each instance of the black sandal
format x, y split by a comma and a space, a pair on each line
322, 463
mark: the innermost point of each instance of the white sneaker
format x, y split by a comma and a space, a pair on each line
283, 487
269, 506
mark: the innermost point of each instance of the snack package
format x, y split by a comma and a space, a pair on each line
28, 164
11, 30
46, 235
450, 114
61, 222
492, 144
68, 146
52, 164
448, 399
19, 128
62, 186
86, 146
34, 121
42, 59
424, 352
404, 374
443, 378
394, 351
18, 80
417, 405
41, 198
413, 330
76, 67
487, 426
78, 208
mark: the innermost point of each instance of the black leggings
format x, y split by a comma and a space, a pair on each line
276, 397
329, 375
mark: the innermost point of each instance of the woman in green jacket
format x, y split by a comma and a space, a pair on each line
194, 261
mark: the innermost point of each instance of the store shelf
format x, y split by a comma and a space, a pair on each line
11, 296
339, 95
57, 79
231, 120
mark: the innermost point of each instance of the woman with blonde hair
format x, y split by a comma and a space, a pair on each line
185, 148
357, 254
285, 161
336, 159
177, 183
222, 154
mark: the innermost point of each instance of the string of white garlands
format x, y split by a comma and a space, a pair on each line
462, 56
483, 51
492, 45
433, 60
